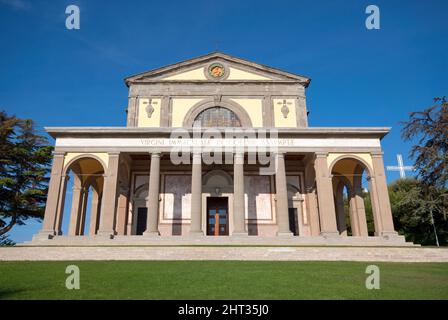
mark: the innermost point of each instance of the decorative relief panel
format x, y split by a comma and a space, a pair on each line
177, 197
149, 112
258, 197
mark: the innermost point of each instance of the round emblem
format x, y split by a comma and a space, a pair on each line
216, 70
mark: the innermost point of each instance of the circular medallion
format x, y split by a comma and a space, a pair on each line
216, 70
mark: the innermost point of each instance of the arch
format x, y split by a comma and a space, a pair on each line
141, 192
217, 117
217, 173
194, 111
347, 171
88, 172
353, 157
80, 157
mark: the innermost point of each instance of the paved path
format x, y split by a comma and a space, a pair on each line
225, 253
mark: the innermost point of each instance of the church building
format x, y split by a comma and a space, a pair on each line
174, 172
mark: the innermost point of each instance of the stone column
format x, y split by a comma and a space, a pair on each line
109, 199
357, 202
94, 210
281, 197
83, 211
239, 217
61, 204
361, 214
381, 195
52, 207
122, 210
340, 212
196, 195
310, 197
327, 212
152, 201
75, 212
302, 224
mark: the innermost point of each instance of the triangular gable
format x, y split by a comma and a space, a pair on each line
233, 69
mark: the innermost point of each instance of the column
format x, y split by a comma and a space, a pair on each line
381, 195
196, 195
152, 201
281, 197
94, 210
357, 203
327, 212
310, 197
122, 210
340, 212
61, 204
54, 194
109, 199
83, 211
239, 217
75, 212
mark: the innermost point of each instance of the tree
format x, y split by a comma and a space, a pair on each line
413, 212
430, 128
25, 159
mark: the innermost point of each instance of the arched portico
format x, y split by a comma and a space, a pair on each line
87, 172
347, 174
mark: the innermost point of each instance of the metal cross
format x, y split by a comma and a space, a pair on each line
402, 168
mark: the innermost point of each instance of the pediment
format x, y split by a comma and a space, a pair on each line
216, 67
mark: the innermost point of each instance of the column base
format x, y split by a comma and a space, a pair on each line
151, 234
285, 234
44, 235
333, 234
105, 234
389, 234
240, 234
196, 234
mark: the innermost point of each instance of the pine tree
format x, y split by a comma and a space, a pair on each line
25, 159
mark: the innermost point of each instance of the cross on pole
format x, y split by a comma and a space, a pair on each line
401, 167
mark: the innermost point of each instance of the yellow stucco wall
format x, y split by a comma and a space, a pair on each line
237, 74
69, 156
279, 120
254, 108
196, 74
143, 119
180, 107
364, 156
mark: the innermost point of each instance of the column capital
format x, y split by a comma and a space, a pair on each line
155, 154
280, 154
377, 154
239, 158
113, 154
321, 154
58, 154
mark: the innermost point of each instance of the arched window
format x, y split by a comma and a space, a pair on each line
217, 117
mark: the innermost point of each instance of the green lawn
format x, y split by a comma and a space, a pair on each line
222, 280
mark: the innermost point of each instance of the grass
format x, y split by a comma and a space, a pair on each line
222, 280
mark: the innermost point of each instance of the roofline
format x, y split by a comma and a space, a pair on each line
218, 54
55, 132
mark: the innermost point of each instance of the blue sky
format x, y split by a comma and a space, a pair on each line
360, 77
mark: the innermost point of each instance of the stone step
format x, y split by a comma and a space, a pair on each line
367, 254
395, 241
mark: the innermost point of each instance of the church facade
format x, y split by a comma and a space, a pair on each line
218, 146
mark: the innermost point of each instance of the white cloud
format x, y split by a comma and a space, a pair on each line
17, 4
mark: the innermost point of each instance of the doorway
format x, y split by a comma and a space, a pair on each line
141, 220
217, 216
